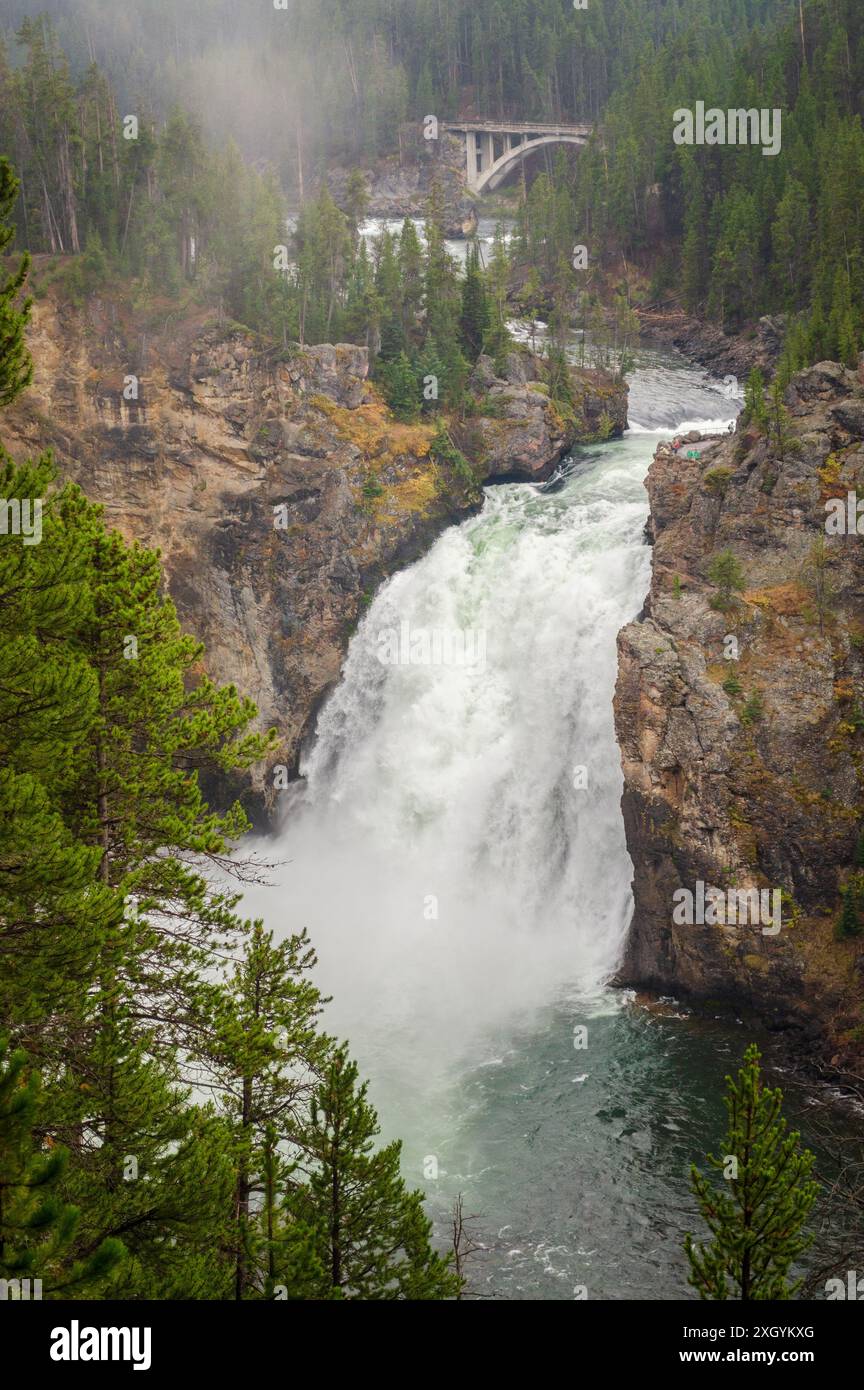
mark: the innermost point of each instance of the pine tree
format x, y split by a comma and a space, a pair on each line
694, 251
356, 201
290, 1249
158, 723
498, 340
263, 1053
796, 352
53, 910
530, 300
849, 923
757, 1223
363, 306
557, 366
443, 296
816, 576
400, 387
431, 372
37, 1228
388, 290
424, 94
734, 266
724, 571
842, 325
411, 279
755, 411
791, 238
782, 439
324, 252
53, 916
134, 795
16, 366
151, 1167
372, 1236
474, 320
106, 934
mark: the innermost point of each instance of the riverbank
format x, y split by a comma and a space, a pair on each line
759, 345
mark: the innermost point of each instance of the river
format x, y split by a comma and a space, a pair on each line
457, 247
457, 854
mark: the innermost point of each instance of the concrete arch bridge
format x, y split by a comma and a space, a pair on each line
493, 149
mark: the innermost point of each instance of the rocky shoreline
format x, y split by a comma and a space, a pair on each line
706, 343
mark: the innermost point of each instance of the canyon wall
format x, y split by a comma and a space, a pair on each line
740, 717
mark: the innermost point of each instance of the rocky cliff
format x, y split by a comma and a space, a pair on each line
277, 485
740, 717
521, 429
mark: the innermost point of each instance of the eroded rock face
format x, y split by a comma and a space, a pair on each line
276, 485
400, 185
748, 773
525, 433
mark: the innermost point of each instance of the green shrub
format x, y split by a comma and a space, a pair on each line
849, 921
754, 709
444, 451
717, 481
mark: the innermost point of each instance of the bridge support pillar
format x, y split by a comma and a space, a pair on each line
471, 158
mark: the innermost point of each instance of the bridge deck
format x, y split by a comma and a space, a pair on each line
523, 127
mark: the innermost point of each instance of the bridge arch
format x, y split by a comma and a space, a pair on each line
494, 176
485, 168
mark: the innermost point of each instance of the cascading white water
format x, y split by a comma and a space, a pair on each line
465, 875
454, 868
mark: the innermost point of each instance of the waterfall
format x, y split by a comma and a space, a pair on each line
458, 852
